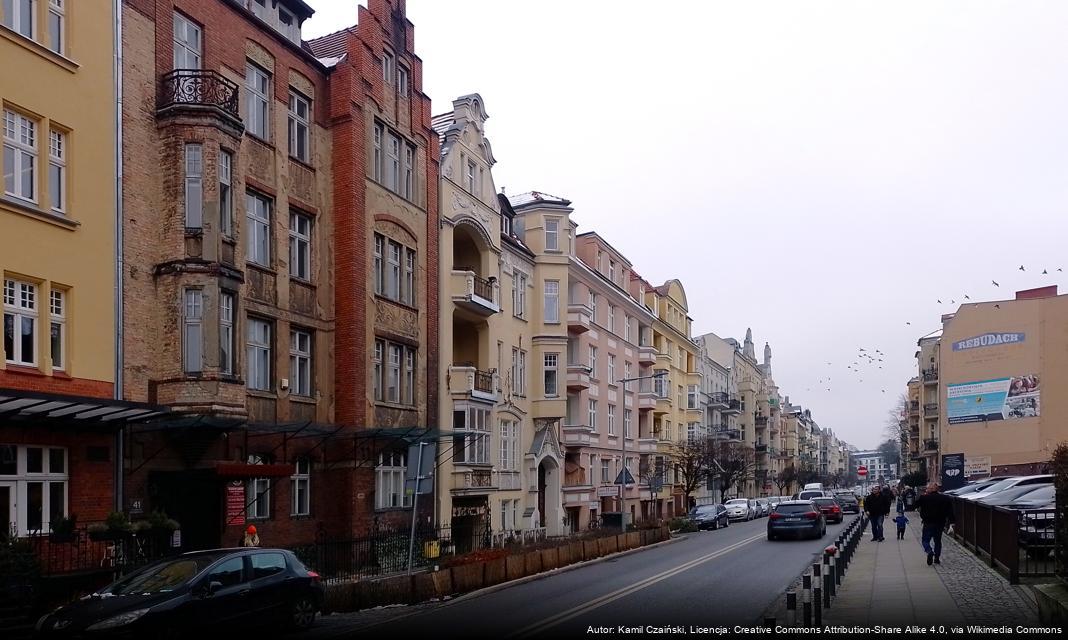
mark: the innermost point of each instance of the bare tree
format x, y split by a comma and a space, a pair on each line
735, 463
694, 461
785, 478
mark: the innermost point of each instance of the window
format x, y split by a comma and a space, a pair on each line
226, 333
377, 161
379, 269
660, 383
392, 172
626, 370
691, 432
519, 372
226, 193
593, 361
258, 210
394, 270
393, 368
58, 316
300, 362
552, 234
20, 156
259, 354
611, 419
387, 67
627, 329
258, 493
379, 355
593, 306
611, 368
39, 474
408, 292
258, 83
57, 170
187, 43
519, 293
194, 186
408, 184
18, 16
469, 178
288, 25
606, 471
193, 331
389, 481
552, 302
268, 564
626, 422
592, 415
299, 128
471, 442
611, 318
393, 273
394, 372
509, 445
300, 487
300, 246
20, 322
409, 376
551, 362
681, 396
402, 79
612, 270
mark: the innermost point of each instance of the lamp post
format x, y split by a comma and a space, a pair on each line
624, 471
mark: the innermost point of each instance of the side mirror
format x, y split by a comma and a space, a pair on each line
210, 589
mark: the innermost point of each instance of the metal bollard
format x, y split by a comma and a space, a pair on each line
791, 606
806, 581
817, 571
828, 589
817, 606
806, 605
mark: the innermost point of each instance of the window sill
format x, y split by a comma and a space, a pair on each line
24, 370
303, 399
302, 281
388, 509
7, 203
399, 195
263, 141
396, 405
194, 232
230, 240
405, 305
259, 267
33, 46
303, 163
259, 393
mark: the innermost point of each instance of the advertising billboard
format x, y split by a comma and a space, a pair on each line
952, 471
997, 399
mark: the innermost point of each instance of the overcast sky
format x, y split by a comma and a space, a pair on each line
822, 172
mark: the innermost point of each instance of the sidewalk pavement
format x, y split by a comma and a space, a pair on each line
890, 583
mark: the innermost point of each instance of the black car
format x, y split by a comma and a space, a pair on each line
710, 516
848, 502
796, 517
224, 588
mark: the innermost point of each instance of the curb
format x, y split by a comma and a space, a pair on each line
518, 581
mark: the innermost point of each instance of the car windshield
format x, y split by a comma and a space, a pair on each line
737, 502
998, 486
972, 488
161, 578
1041, 493
793, 508
845, 498
824, 502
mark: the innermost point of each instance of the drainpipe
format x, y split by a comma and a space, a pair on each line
116, 8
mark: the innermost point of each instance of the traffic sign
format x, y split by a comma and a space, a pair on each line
630, 477
862, 471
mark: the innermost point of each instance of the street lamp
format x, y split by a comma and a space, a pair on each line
623, 473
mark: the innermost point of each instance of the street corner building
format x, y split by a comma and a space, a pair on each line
279, 266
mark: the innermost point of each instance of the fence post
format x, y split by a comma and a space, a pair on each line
791, 606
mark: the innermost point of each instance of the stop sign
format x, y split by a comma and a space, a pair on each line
862, 471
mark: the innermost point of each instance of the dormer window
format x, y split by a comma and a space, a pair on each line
469, 177
506, 226
288, 25
387, 67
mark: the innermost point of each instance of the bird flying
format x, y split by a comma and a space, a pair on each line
995, 283
966, 297
1045, 273
1022, 268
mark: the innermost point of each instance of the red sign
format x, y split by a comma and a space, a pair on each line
862, 471
235, 503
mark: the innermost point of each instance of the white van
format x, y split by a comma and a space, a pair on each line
814, 486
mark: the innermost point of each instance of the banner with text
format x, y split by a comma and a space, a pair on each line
998, 399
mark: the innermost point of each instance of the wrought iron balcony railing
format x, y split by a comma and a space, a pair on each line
198, 87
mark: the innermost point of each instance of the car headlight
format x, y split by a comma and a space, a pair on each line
120, 620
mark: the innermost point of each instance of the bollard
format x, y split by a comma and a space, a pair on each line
834, 575
791, 606
806, 581
817, 606
806, 606
828, 590
817, 571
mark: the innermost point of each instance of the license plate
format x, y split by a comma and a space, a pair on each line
793, 520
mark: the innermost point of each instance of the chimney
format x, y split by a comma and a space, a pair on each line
1033, 294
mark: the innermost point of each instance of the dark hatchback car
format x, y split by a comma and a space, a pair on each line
796, 518
830, 508
848, 502
209, 590
710, 516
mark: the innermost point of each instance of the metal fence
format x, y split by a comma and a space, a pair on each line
1019, 543
385, 551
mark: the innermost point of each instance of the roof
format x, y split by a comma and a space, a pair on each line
60, 409
332, 45
441, 123
533, 197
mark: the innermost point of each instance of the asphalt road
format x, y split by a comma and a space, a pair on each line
724, 577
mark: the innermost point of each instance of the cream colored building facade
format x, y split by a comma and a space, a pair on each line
503, 342
930, 407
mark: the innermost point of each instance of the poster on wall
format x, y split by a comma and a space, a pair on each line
952, 471
998, 399
235, 503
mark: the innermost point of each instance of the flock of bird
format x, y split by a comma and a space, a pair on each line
995, 283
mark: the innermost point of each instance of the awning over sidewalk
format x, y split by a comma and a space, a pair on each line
60, 410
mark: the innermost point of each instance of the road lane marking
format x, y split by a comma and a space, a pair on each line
598, 602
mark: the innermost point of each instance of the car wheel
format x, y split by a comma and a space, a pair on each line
715, 525
771, 537
302, 613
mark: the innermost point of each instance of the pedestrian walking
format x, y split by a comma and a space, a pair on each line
252, 539
901, 520
936, 514
877, 507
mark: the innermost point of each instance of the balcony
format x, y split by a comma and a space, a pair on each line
662, 406
646, 445
930, 444
578, 376
466, 481
760, 421
646, 355
761, 448
475, 294
646, 399
930, 376
786, 453
728, 434
579, 317
199, 90
663, 360
718, 400
576, 435
930, 409
469, 382
734, 406
914, 408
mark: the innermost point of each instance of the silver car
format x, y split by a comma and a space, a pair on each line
740, 509
765, 506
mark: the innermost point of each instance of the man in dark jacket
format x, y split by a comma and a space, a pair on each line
936, 513
877, 507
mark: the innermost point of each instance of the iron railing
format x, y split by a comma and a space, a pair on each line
483, 288
484, 381
198, 87
930, 375
930, 409
760, 421
931, 444
1019, 543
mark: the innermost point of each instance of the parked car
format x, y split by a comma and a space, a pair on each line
772, 501
1042, 497
740, 509
1002, 498
709, 516
1037, 533
830, 508
972, 487
796, 517
847, 501
765, 506
202, 590
1009, 483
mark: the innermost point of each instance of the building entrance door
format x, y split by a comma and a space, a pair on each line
8, 512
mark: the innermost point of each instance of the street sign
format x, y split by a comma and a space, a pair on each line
862, 471
607, 491
630, 477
